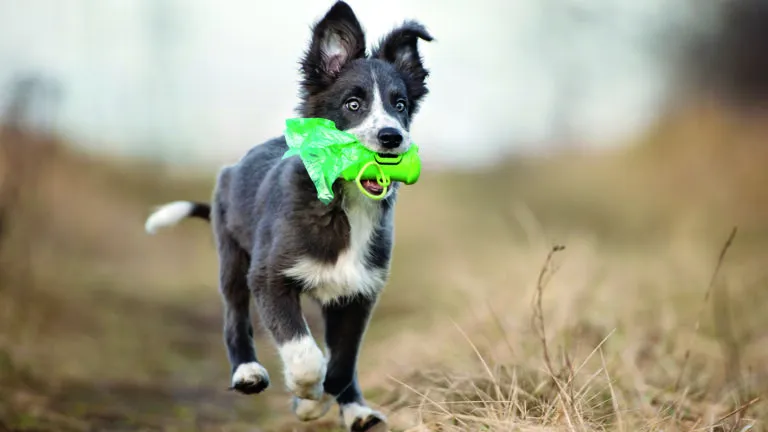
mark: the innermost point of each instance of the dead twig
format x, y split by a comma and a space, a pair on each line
539, 326
740, 411
538, 311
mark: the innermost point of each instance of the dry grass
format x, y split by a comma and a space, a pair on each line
611, 359
644, 321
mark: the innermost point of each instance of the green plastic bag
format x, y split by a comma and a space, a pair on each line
329, 154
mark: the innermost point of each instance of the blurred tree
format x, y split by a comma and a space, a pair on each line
732, 60
26, 142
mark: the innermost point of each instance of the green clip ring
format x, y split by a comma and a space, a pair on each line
381, 179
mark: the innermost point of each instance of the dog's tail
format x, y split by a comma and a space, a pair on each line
174, 212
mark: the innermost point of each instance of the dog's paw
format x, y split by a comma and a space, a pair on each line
361, 418
250, 378
307, 410
305, 368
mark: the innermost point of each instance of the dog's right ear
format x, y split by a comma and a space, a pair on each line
337, 39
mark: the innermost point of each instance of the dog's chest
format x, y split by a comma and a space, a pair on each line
350, 274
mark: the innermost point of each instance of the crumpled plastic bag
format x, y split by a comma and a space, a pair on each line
324, 150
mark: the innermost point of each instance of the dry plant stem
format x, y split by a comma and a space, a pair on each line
707, 294
538, 311
427, 398
539, 326
497, 388
740, 411
500, 325
594, 351
571, 374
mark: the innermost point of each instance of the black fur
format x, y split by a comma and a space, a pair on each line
319, 67
201, 211
400, 48
266, 217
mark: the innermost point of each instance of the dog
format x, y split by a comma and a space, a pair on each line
276, 241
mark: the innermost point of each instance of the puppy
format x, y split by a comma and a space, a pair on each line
277, 241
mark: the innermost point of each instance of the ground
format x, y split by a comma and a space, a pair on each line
647, 319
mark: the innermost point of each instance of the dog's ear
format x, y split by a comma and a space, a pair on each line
337, 39
400, 48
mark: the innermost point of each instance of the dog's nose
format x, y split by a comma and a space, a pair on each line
390, 138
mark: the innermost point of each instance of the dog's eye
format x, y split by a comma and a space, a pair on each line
400, 106
353, 104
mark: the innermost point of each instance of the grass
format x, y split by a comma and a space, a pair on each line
648, 318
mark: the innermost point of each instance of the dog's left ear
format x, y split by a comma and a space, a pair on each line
400, 48
337, 39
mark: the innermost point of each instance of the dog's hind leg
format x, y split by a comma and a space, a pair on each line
248, 375
279, 307
345, 325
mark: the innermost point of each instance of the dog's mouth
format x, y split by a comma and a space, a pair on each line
372, 187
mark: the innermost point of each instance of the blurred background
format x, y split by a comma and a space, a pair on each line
633, 133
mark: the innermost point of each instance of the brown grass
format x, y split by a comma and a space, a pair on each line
645, 321
614, 370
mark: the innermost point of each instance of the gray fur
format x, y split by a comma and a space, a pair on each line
268, 222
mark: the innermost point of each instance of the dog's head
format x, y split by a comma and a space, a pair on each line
373, 97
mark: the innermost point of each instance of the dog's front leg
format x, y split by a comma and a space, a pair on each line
345, 325
278, 305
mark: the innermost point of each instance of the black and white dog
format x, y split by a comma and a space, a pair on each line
276, 240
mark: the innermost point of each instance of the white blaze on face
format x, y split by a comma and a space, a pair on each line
377, 119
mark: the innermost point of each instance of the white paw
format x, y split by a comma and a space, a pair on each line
307, 410
250, 378
361, 418
305, 367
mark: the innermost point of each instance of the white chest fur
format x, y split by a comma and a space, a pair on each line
349, 275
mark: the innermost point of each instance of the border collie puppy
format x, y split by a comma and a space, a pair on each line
277, 241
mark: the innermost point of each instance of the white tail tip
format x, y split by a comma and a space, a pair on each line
168, 215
